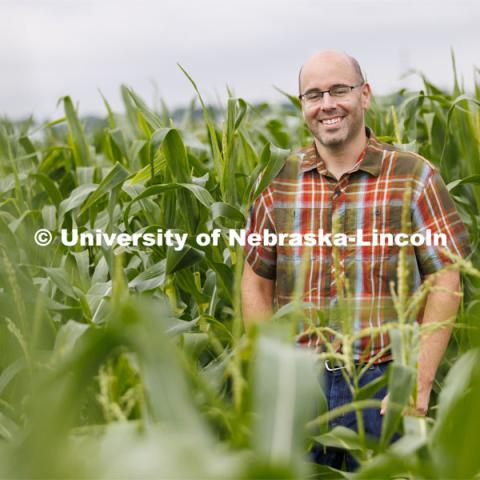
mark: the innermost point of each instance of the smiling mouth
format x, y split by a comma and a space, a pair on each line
331, 121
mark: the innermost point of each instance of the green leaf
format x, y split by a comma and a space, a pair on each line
414, 438
111, 116
118, 138
151, 117
115, 177
7, 182
61, 280
225, 210
388, 466
195, 343
76, 198
67, 336
458, 422
170, 141
200, 193
277, 158
8, 428
217, 154
80, 144
295, 101
241, 113
343, 438
151, 278
145, 173
186, 257
400, 387
184, 279
286, 385
10, 372
28, 146
49, 186
224, 276
369, 390
471, 179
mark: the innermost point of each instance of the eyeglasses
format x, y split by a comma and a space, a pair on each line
336, 91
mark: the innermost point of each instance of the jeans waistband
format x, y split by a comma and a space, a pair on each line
335, 365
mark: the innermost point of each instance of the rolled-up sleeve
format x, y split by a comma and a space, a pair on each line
435, 210
262, 258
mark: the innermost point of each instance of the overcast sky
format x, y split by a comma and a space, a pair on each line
52, 48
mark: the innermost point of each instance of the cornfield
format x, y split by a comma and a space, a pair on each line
132, 361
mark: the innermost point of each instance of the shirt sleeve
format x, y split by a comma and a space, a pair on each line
434, 211
262, 259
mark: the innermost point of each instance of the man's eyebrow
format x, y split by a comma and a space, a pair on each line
311, 90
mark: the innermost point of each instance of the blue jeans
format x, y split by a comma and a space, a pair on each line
337, 394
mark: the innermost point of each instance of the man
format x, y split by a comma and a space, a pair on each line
348, 174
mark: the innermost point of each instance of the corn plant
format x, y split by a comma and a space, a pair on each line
132, 361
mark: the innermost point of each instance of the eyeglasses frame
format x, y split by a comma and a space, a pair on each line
322, 93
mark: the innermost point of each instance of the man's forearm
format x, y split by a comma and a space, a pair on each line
257, 297
441, 307
256, 306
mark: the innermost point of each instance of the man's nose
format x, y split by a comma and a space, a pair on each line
327, 102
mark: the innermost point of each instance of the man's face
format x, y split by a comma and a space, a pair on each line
334, 121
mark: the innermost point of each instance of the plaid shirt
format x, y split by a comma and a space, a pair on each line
303, 199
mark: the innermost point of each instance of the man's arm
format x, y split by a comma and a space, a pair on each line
257, 296
441, 306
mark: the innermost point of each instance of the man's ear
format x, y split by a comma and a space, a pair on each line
366, 95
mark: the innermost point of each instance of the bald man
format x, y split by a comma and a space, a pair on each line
348, 173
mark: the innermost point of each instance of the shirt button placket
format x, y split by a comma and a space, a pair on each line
337, 204
333, 278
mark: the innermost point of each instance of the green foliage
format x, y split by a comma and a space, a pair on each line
127, 362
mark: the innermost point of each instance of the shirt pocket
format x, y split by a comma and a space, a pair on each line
372, 260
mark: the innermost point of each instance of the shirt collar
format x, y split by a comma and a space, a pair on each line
370, 160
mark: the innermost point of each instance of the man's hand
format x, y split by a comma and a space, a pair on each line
420, 409
383, 407
257, 296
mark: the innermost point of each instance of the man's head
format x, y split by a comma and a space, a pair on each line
334, 121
